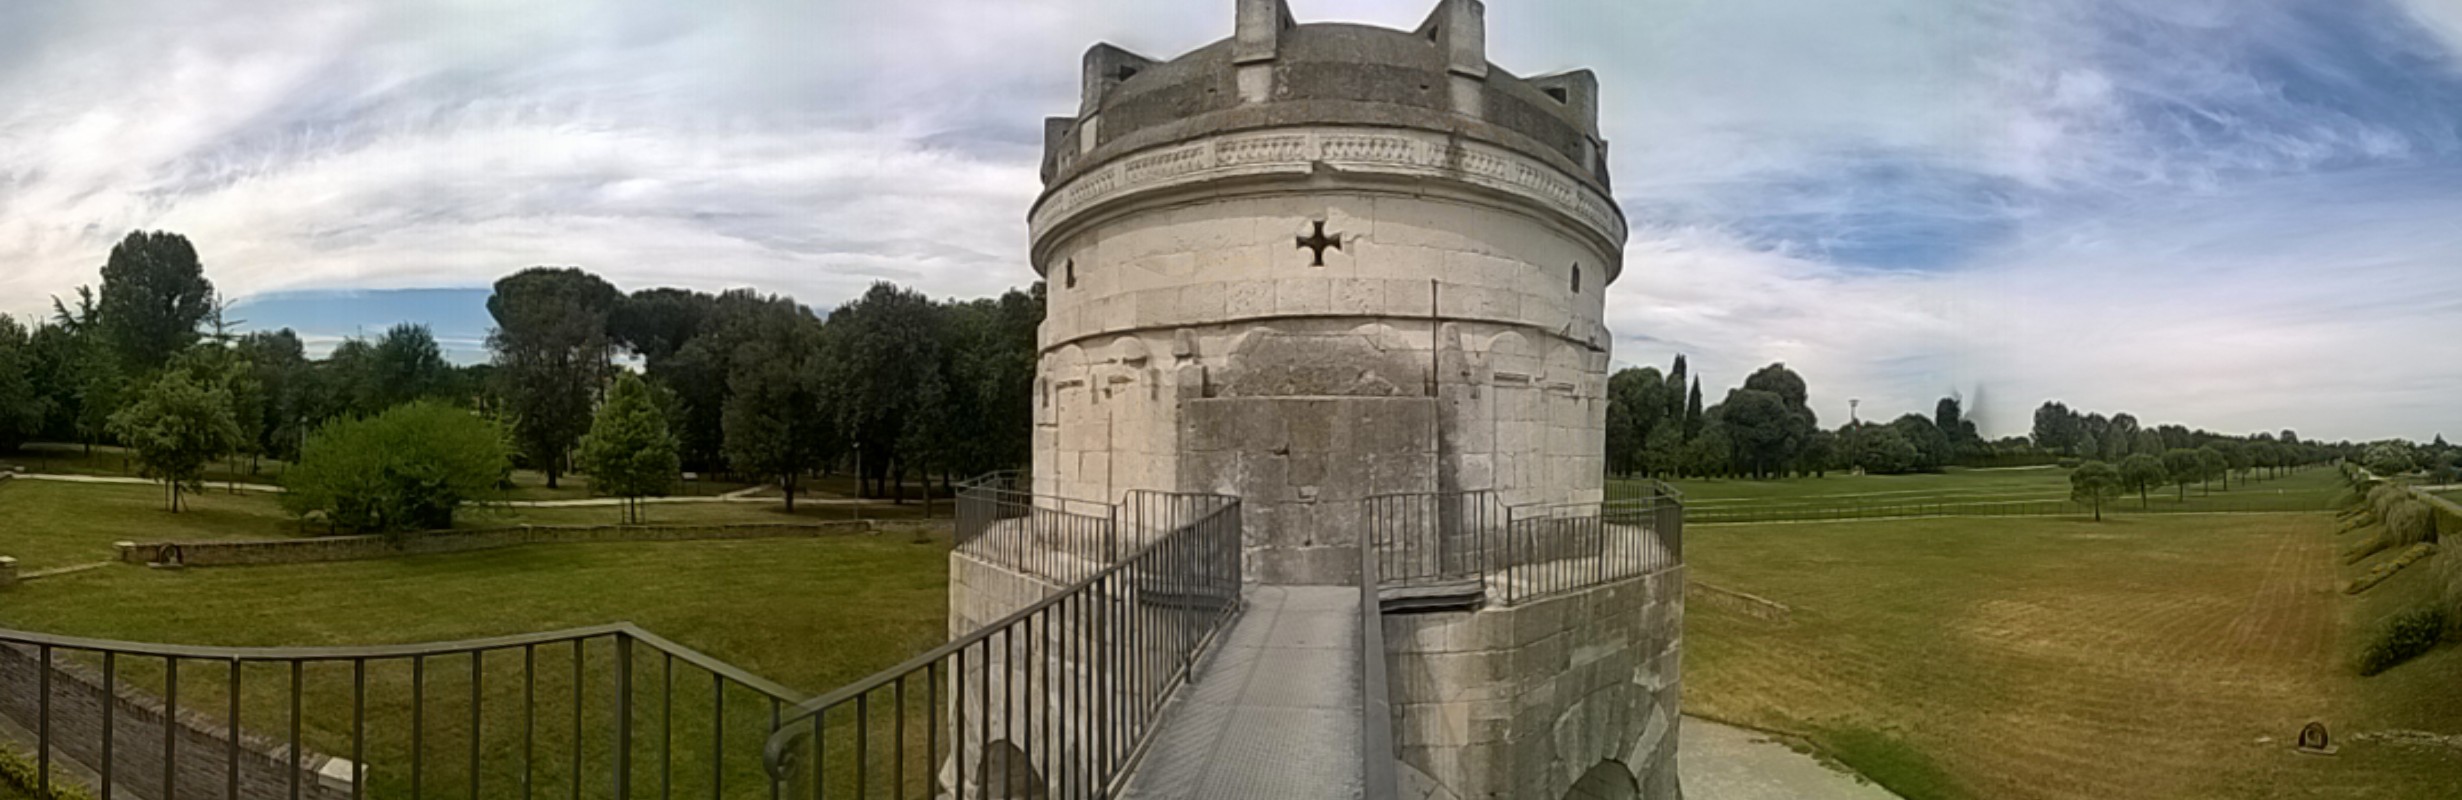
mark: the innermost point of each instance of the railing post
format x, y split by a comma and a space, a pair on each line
624, 716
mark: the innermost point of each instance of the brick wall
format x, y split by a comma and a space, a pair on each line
138, 723
349, 548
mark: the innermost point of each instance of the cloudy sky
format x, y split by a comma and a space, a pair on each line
2236, 214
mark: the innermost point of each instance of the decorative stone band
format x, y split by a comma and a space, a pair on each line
1297, 151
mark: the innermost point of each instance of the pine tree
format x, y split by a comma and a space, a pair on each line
1692, 412
1675, 388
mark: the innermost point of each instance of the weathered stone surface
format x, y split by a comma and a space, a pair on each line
1312, 264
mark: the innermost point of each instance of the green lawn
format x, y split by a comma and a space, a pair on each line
47, 524
2147, 656
1978, 491
810, 613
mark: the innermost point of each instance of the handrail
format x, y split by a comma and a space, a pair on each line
210, 653
1067, 687
1379, 779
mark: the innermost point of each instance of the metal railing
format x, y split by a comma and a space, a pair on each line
603, 711
1055, 700
1426, 538
1522, 552
1549, 549
1055, 537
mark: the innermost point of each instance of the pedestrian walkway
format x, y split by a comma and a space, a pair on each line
1275, 710
1724, 762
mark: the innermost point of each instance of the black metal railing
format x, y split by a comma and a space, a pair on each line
1426, 538
1549, 549
604, 711
1522, 552
1055, 700
1059, 538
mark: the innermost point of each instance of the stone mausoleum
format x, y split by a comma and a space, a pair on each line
1311, 265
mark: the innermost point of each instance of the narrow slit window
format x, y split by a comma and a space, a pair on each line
1577, 278
1068, 274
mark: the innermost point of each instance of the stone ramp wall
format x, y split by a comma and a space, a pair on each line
138, 722
351, 548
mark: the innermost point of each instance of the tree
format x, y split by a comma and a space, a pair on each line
1708, 454
1664, 453
2387, 459
1636, 401
2140, 472
2057, 429
886, 379
1932, 448
655, 323
1676, 377
280, 363
1884, 450
408, 468
153, 297
2212, 464
1692, 411
2093, 483
2184, 467
404, 365
1801, 422
176, 426
1820, 453
1764, 432
22, 404
629, 453
2238, 458
775, 420
550, 347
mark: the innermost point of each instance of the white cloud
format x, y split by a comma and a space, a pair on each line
2112, 203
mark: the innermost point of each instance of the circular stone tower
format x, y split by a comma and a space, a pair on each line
1315, 263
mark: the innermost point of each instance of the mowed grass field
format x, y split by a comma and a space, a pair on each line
2030, 490
48, 524
812, 614
2146, 656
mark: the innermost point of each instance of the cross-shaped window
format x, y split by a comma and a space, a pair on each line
1318, 241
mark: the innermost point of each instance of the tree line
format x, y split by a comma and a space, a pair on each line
894, 385
1658, 427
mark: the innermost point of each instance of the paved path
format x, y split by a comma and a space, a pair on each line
1724, 762
1275, 711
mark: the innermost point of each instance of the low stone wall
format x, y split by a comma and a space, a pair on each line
138, 724
1535, 699
352, 548
8, 572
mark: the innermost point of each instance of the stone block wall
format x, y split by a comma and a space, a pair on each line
350, 548
139, 722
1522, 701
1182, 340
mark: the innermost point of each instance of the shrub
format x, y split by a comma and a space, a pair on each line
408, 468
2404, 637
2410, 522
2382, 498
2386, 568
2372, 546
16, 773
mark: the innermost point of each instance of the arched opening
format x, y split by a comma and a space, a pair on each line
1008, 773
1607, 780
